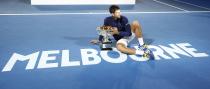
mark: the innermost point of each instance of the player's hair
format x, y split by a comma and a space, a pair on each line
113, 8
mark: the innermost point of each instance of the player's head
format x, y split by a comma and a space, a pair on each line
114, 11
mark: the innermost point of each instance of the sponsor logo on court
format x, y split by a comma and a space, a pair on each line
93, 57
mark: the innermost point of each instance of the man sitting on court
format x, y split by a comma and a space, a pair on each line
123, 32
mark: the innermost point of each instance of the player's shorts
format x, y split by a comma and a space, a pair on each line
126, 40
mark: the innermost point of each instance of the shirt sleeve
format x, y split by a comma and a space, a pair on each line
106, 23
125, 26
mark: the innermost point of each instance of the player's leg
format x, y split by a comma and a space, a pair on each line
122, 47
137, 30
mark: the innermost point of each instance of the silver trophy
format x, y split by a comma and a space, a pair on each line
106, 43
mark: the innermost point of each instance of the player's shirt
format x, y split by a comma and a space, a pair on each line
122, 25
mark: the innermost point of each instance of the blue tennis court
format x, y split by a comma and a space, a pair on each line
50, 49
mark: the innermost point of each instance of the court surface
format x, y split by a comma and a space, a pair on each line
56, 53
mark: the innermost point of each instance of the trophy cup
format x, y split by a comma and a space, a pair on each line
106, 43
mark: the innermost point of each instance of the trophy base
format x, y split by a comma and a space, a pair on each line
106, 46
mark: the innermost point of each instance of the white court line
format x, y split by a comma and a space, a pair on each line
95, 13
170, 5
192, 4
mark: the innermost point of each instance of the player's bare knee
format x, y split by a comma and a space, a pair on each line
135, 23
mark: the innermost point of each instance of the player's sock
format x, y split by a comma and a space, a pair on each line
141, 41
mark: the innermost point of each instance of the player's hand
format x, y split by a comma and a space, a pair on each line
94, 41
114, 31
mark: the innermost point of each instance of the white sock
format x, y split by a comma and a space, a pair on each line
141, 41
139, 52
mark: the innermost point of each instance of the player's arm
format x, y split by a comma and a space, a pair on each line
127, 27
